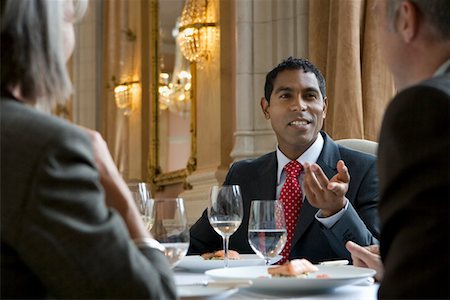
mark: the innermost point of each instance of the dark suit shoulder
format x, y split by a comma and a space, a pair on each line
429, 101
413, 167
350, 156
27, 131
254, 162
423, 97
251, 165
363, 172
15, 115
332, 152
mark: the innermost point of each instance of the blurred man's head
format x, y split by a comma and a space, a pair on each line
435, 13
414, 36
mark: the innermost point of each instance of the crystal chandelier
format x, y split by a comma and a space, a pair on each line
175, 94
175, 89
198, 30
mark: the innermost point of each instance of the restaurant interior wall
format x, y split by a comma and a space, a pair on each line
255, 35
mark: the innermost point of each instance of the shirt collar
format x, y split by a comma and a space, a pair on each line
310, 155
443, 68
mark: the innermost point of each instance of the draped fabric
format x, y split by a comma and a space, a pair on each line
114, 19
343, 45
121, 63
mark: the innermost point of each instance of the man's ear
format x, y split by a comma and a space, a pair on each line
408, 21
325, 106
264, 106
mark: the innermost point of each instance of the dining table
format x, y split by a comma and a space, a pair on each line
364, 290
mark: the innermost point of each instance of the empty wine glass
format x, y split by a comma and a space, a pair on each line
171, 229
225, 212
142, 197
267, 228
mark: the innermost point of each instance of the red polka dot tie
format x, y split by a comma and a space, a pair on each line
291, 197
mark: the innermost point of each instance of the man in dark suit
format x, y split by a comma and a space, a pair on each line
342, 210
414, 152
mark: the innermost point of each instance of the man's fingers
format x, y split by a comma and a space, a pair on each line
321, 177
309, 193
363, 256
374, 249
312, 183
310, 179
343, 174
358, 251
354, 251
337, 188
358, 262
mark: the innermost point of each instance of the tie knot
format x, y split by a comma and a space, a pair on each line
293, 168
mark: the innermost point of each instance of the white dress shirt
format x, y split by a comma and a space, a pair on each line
441, 70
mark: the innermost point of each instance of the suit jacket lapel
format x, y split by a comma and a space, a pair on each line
265, 182
327, 161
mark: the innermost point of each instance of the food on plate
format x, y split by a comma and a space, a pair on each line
322, 276
233, 255
294, 268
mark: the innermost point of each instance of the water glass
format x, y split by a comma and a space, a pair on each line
267, 228
170, 228
142, 197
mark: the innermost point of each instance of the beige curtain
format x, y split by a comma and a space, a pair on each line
343, 45
121, 63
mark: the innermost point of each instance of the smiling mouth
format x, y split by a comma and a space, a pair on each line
299, 123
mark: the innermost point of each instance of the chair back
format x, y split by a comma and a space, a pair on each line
365, 146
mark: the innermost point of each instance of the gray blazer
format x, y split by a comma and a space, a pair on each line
312, 240
58, 239
414, 164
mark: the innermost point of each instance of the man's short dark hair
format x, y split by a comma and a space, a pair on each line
292, 63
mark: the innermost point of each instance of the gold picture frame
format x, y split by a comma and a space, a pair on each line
157, 177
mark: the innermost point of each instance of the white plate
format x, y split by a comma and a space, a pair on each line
204, 292
198, 264
338, 276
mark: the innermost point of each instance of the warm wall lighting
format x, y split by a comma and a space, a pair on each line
123, 94
198, 30
175, 87
175, 95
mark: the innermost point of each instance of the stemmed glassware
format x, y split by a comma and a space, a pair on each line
142, 197
225, 213
171, 229
267, 228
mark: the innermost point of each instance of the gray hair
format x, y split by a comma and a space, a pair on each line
32, 50
436, 13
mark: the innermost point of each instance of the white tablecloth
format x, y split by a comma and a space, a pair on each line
349, 292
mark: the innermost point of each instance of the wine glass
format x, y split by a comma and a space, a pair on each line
142, 197
171, 229
267, 228
225, 212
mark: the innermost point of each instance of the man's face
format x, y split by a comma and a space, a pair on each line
296, 110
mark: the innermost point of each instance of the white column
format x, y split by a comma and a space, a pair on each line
267, 32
